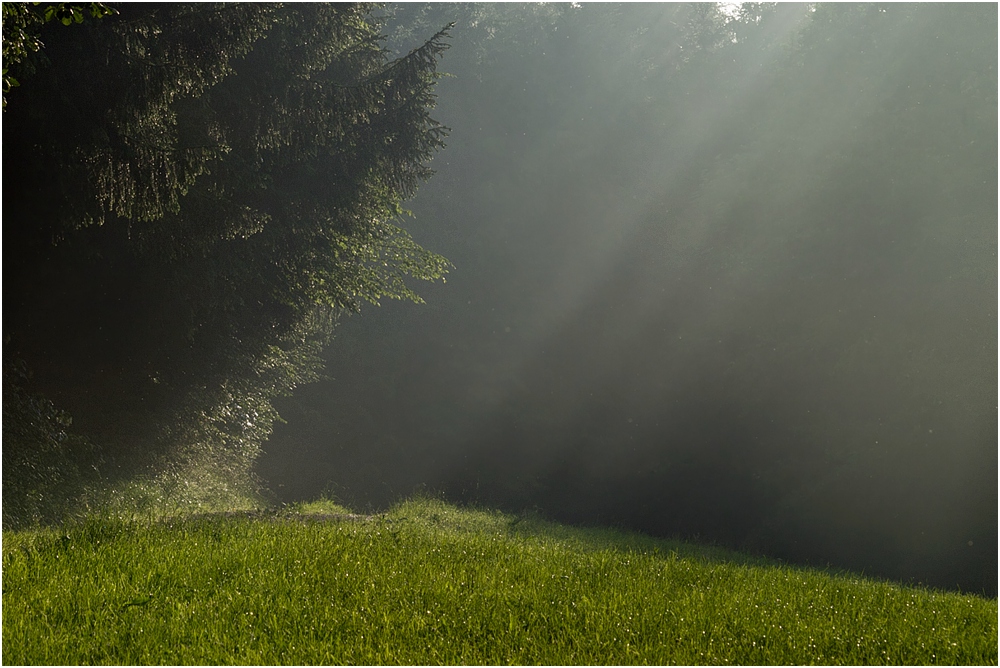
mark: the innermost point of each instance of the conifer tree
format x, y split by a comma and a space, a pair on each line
193, 193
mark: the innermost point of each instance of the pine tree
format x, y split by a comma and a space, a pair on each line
193, 194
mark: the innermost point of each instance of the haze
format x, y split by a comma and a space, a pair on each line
727, 281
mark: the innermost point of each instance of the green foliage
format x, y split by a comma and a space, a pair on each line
69, 13
46, 466
201, 191
428, 583
21, 22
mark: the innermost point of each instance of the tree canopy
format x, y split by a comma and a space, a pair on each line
193, 193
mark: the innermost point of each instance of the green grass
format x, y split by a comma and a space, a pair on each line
431, 584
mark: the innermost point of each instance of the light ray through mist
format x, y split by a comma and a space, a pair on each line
607, 224
734, 288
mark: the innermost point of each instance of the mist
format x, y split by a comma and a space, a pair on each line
729, 279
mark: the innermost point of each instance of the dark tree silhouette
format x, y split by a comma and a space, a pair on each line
193, 193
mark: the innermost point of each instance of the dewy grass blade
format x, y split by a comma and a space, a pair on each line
431, 583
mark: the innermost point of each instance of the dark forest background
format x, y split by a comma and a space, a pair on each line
718, 272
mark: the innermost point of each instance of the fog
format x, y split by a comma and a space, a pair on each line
732, 282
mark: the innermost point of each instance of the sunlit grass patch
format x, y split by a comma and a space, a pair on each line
319, 507
430, 583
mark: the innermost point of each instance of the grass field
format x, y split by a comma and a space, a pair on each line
428, 583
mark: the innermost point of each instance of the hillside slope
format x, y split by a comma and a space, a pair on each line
429, 583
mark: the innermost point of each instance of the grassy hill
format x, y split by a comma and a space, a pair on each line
429, 583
